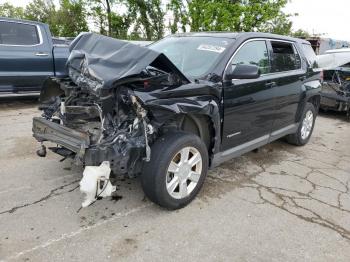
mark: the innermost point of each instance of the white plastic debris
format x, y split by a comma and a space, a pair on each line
63, 108
95, 183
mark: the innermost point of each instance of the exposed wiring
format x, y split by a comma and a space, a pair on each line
102, 122
103, 189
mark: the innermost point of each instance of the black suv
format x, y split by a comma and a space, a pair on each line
182, 105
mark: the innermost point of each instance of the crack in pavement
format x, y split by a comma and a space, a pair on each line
52, 193
303, 202
31, 186
290, 205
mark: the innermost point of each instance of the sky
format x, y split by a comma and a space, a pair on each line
327, 17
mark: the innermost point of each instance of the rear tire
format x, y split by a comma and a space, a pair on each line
177, 170
306, 127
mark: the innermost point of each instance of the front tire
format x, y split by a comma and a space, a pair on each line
177, 170
306, 126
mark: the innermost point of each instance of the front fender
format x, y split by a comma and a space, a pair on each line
206, 105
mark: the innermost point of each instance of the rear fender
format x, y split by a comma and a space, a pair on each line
311, 90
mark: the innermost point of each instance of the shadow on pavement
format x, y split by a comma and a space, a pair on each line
334, 115
10, 102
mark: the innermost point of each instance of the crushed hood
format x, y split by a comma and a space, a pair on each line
99, 62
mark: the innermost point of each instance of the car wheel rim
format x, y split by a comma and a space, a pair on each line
307, 125
184, 172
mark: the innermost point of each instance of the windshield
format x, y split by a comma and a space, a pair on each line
193, 56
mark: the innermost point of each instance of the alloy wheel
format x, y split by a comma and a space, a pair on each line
184, 172
307, 125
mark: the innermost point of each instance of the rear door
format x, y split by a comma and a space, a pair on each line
25, 57
289, 77
248, 103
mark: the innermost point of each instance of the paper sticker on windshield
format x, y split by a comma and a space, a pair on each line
212, 48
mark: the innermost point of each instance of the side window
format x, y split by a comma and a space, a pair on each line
310, 55
18, 34
253, 53
284, 57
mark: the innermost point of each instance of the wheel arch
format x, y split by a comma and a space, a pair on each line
198, 115
200, 125
315, 100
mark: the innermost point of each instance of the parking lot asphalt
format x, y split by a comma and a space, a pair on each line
283, 203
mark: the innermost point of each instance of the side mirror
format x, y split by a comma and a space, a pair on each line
242, 71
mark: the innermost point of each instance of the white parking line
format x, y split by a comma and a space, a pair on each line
75, 233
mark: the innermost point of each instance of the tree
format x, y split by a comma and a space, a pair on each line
72, 17
109, 22
230, 15
301, 34
120, 25
69, 20
149, 17
179, 13
98, 16
210, 15
279, 25
109, 16
145, 19
8, 10
101, 11
43, 11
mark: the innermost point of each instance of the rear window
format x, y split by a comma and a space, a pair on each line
18, 34
284, 57
310, 55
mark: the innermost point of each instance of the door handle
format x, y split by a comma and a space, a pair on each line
41, 54
271, 84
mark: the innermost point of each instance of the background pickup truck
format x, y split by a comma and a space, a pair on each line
28, 55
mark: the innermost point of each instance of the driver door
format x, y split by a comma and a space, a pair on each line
248, 103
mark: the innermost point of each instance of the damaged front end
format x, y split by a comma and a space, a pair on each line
118, 99
92, 129
335, 92
94, 115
